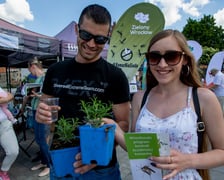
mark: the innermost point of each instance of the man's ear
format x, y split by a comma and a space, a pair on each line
76, 28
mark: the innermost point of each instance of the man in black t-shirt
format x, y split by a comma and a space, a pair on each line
87, 76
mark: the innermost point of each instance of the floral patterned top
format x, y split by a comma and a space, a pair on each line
182, 130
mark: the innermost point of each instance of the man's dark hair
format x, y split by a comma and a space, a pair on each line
99, 14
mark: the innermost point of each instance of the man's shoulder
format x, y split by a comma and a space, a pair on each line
60, 64
111, 66
219, 75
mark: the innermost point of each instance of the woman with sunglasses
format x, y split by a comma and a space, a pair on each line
88, 75
171, 74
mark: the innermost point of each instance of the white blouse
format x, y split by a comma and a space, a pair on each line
182, 130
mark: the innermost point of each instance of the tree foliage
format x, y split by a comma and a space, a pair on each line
208, 52
205, 32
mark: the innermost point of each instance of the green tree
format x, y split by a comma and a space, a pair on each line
205, 31
208, 52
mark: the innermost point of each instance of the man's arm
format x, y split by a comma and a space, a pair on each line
122, 115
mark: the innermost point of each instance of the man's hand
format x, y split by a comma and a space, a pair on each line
43, 113
82, 168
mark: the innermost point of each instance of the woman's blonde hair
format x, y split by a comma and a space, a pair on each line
36, 62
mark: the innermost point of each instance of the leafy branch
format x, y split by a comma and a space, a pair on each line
95, 110
65, 129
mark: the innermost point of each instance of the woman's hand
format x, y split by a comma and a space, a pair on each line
35, 94
82, 168
176, 163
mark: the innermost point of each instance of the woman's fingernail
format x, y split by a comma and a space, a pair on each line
153, 164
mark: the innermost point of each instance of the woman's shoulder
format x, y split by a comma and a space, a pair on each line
205, 93
206, 97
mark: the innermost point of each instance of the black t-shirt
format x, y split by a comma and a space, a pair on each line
72, 81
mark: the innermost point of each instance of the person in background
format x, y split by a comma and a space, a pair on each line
85, 76
41, 131
26, 99
217, 86
31, 78
169, 108
25, 106
8, 140
4, 107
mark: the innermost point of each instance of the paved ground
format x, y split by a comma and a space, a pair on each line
21, 168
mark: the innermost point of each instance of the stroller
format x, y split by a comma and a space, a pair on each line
25, 119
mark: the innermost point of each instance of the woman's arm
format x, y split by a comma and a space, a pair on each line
122, 115
212, 116
6, 99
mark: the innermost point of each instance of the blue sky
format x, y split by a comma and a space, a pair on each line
49, 17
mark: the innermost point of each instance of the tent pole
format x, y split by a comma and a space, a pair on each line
8, 78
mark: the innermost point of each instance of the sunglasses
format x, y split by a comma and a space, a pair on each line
86, 36
172, 58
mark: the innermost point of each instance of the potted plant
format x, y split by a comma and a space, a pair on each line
96, 138
64, 147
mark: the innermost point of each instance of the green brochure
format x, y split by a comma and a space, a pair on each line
140, 147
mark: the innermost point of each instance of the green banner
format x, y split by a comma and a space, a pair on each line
131, 36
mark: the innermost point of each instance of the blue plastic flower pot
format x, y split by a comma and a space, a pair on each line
97, 144
63, 159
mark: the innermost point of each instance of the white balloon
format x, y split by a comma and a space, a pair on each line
195, 48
